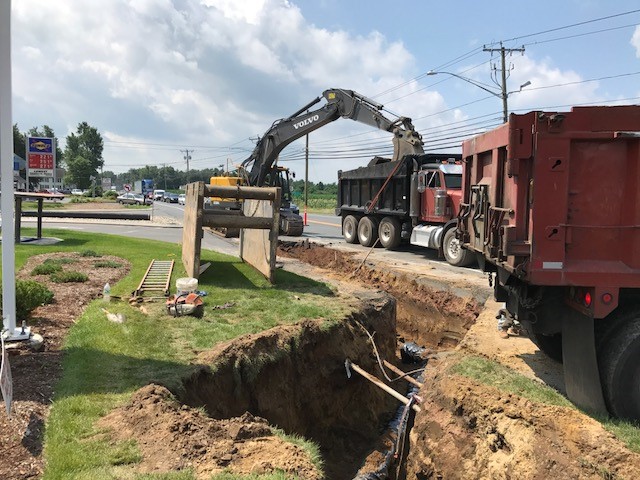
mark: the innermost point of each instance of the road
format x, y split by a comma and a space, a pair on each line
322, 229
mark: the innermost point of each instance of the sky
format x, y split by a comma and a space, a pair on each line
158, 78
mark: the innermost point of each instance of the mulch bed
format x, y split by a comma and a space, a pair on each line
35, 373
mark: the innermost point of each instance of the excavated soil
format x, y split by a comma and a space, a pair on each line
475, 431
223, 417
469, 430
173, 437
292, 376
432, 318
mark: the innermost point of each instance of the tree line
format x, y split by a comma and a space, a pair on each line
82, 160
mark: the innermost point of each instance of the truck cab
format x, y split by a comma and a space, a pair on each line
440, 186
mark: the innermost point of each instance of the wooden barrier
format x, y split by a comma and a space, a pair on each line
259, 222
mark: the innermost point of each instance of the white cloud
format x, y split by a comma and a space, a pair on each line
248, 11
635, 41
213, 73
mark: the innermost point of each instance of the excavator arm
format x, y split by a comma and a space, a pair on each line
340, 103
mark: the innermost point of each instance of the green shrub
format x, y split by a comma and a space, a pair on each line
89, 253
69, 277
46, 268
107, 264
60, 261
110, 194
79, 199
29, 295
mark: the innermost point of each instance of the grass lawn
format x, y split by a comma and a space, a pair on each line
106, 362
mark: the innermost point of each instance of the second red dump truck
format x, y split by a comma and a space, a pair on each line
551, 205
412, 200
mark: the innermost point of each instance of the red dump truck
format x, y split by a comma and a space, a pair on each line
551, 205
412, 200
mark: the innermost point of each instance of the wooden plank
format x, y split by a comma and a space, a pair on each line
235, 221
192, 228
238, 192
258, 247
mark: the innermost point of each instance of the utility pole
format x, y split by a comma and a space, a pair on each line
503, 83
164, 171
187, 157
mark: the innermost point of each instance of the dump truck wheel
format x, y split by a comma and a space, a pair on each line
350, 229
453, 251
551, 345
389, 232
619, 367
367, 231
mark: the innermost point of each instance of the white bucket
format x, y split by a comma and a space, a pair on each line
186, 285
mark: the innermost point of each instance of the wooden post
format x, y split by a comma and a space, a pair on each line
383, 386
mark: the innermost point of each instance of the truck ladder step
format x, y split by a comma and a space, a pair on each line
157, 278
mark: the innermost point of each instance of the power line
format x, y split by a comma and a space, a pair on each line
586, 22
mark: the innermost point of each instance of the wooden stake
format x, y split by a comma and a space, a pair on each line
383, 386
404, 376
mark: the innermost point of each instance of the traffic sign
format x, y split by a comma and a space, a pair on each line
127, 187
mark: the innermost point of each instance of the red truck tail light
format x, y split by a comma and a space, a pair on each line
607, 298
587, 299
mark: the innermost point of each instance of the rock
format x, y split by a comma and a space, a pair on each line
36, 342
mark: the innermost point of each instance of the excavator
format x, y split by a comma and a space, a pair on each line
260, 168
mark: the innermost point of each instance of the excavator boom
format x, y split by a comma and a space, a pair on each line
340, 104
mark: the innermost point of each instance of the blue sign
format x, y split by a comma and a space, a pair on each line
40, 145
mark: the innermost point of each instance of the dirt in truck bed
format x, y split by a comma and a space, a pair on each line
466, 429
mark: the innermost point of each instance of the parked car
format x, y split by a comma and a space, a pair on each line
131, 199
182, 199
170, 197
76, 191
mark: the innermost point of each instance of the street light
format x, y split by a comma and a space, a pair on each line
503, 94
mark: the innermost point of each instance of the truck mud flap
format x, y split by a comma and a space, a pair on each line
581, 374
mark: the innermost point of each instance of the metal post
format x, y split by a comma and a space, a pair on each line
6, 183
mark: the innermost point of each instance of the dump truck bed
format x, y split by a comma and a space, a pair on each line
553, 198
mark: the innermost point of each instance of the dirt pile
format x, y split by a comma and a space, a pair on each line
474, 431
428, 317
295, 377
174, 437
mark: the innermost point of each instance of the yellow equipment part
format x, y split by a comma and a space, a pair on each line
225, 182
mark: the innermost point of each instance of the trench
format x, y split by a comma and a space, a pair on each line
295, 376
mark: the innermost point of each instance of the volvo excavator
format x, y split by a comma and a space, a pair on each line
260, 168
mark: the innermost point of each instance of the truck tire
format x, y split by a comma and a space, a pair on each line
619, 367
453, 251
551, 345
350, 229
389, 232
367, 231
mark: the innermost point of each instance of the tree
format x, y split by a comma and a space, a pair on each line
19, 142
80, 172
83, 155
